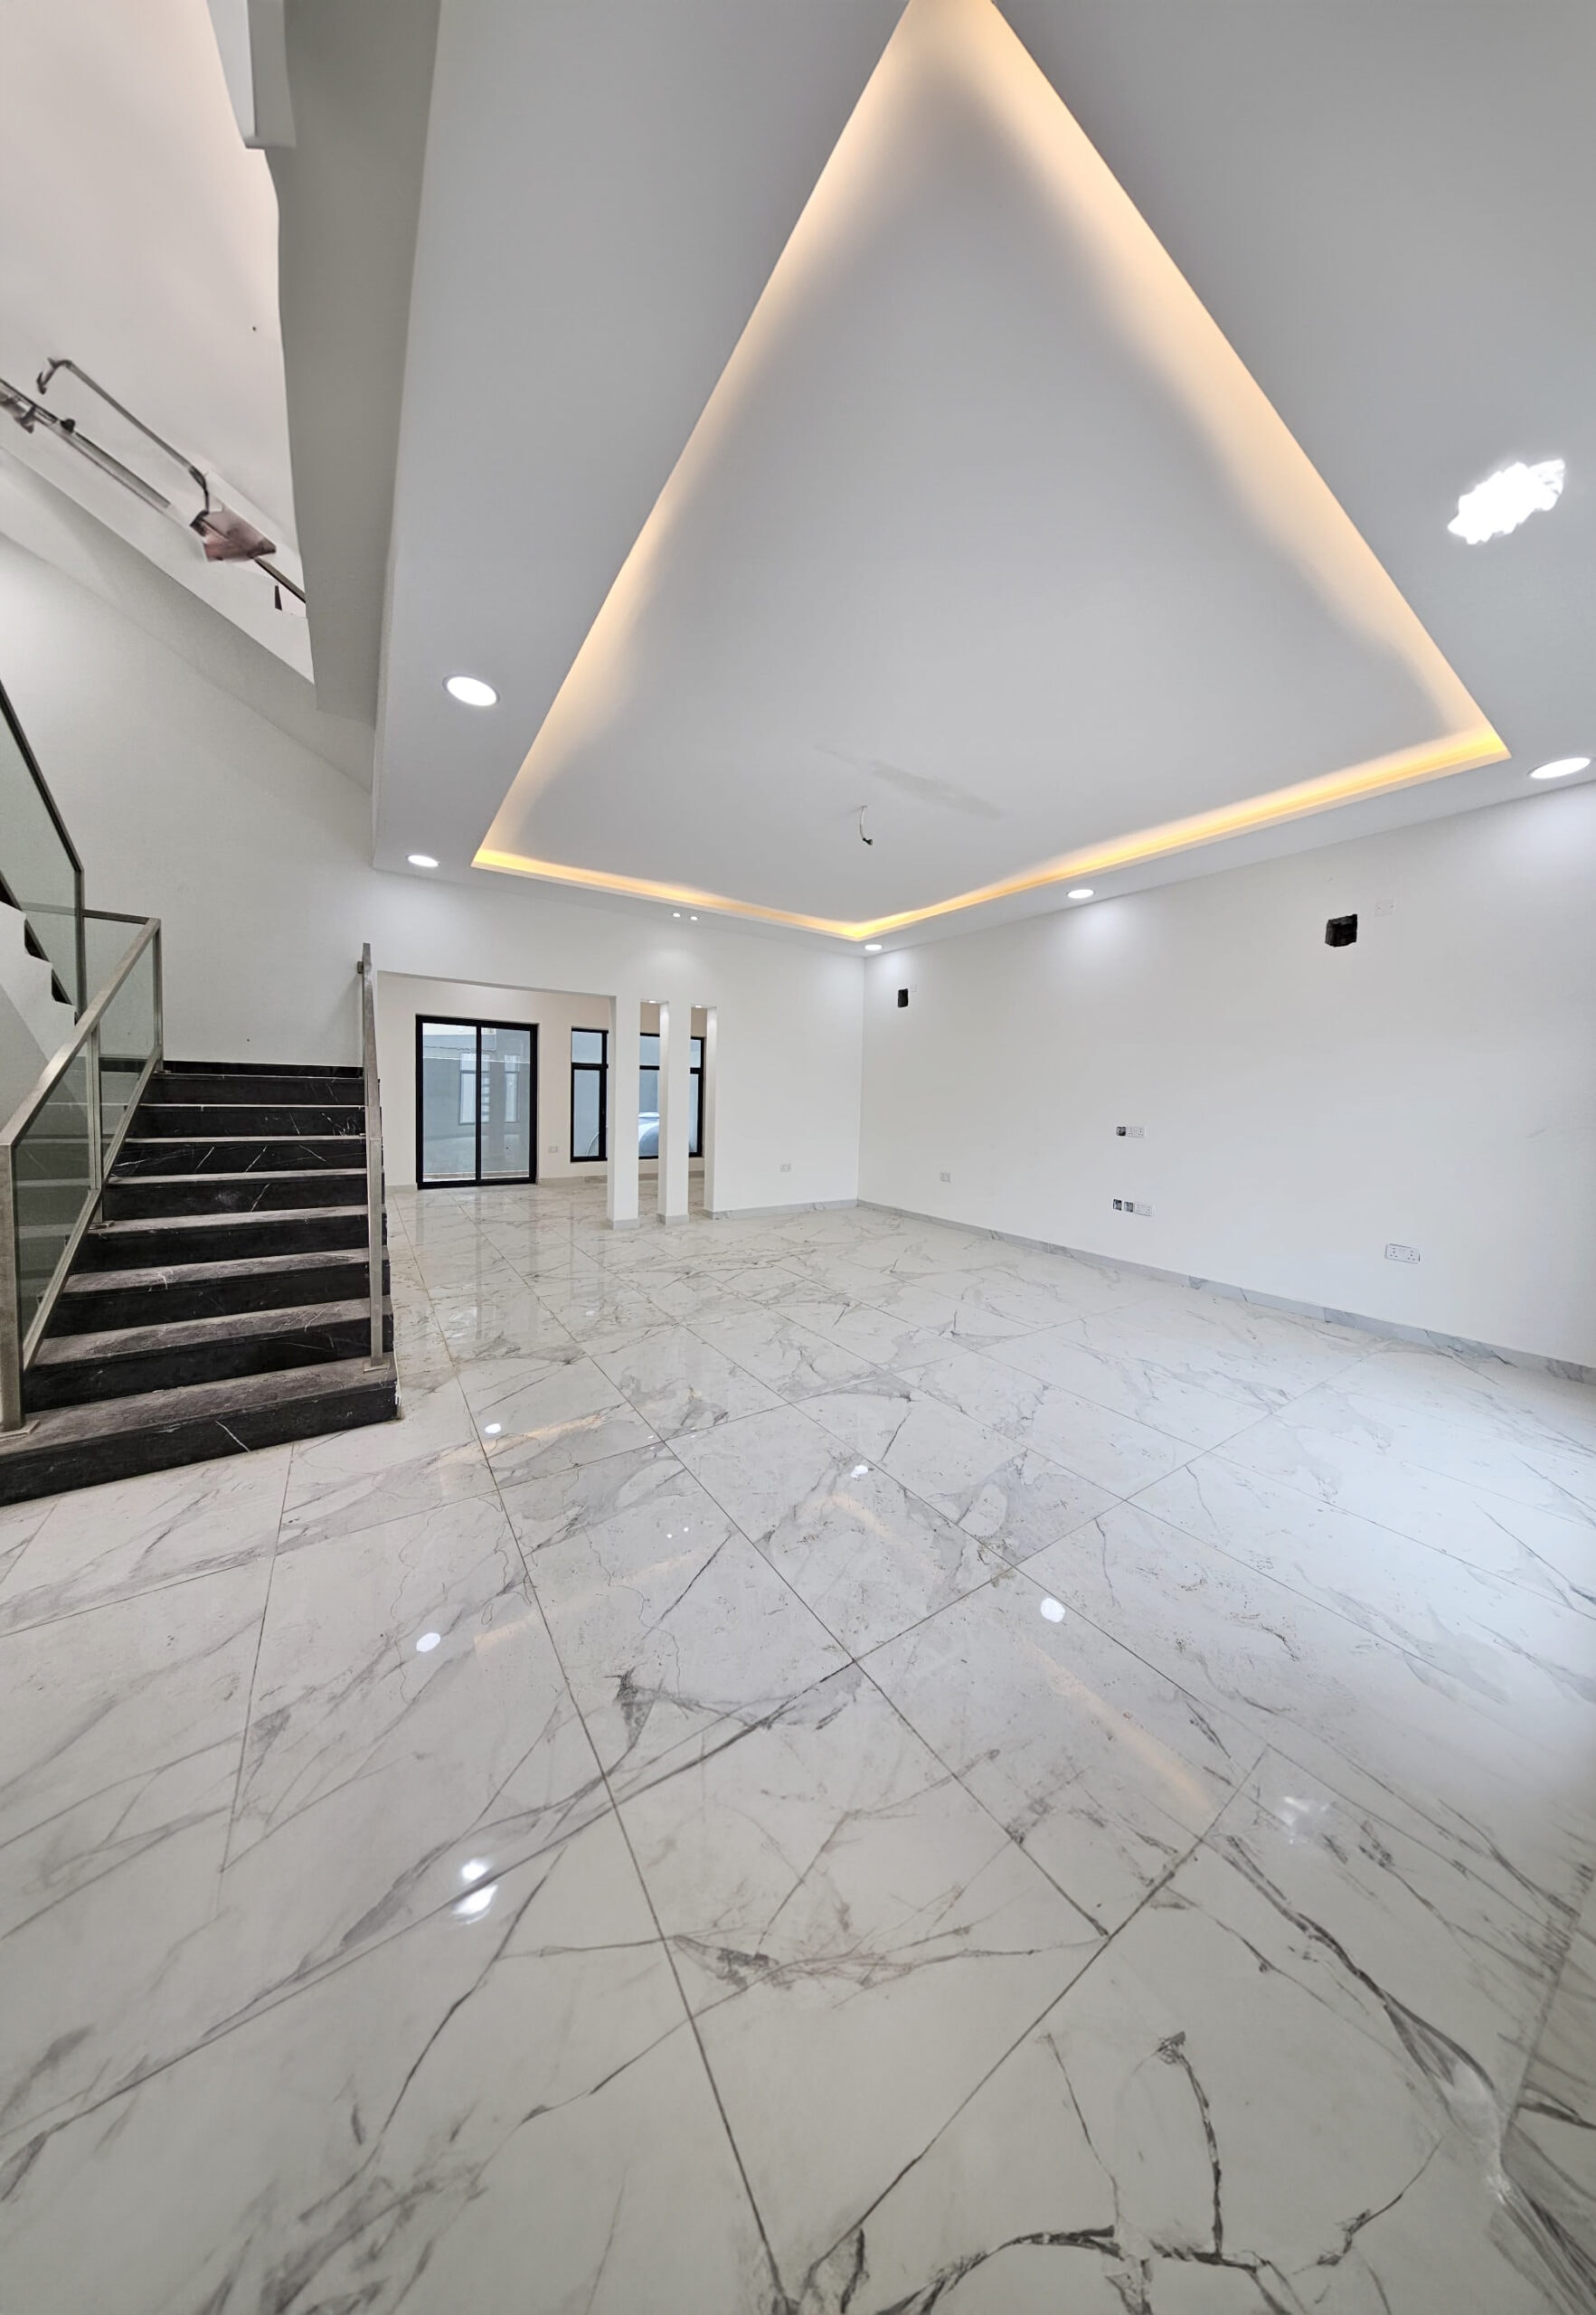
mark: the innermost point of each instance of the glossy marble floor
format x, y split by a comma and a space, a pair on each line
828, 1763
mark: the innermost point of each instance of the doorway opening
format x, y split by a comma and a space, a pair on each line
476, 1102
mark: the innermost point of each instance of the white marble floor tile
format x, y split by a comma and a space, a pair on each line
1114, 1449
356, 1478
1176, 1910
409, 1724
1105, 1771
1012, 1497
548, 1418
1553, 1475
1228, 2113
106, 1543
852, 1925
786, 1355
866, 1555
678, 1381
497, 2110
1547, 1550
1337, 1700
1525, 1660
121, 1730
1134, 1386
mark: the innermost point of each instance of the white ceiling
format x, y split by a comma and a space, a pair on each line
948, 542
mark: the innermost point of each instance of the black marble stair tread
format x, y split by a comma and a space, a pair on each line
151, 1418
337, 1069
158, 1274
186, 1140
249, 1173
187, 1333
143, 1225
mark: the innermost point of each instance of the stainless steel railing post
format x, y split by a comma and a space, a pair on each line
374, 1150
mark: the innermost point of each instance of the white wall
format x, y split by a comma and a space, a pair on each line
187, 805
1434, 1085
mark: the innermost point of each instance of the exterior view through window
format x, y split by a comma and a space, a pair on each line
475, 1101
648, 1097
589, 1064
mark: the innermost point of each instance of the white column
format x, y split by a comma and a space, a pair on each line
708, 1084
675, 1033
621, 1117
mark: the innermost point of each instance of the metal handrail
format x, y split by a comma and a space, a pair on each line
373, 1148
17, 1348
79, 996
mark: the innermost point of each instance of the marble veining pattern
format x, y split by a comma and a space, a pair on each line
829, 1765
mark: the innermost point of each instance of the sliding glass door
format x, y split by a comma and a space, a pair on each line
475, 1101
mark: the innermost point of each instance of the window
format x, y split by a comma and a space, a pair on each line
589, 1069
648, 1096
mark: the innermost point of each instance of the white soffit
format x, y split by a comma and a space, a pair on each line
141, 243
984, 532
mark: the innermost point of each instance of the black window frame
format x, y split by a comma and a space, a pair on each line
695, 1069
600, 1070
477, 1182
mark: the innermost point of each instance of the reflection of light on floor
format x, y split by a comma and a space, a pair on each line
1053, 1609
473, 1907
428, 1642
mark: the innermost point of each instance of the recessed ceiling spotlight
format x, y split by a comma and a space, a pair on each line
1564, 768
420, 860
873, 948
1507, 499
470, 691
691, 919
1080, 891
676, 912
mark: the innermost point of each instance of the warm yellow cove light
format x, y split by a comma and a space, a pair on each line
1462, 751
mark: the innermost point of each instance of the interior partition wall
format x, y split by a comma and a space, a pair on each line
475, 1101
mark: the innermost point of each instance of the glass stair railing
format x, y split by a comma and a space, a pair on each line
41, 874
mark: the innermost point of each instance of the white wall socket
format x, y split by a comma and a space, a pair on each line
944, 1177
1396, 1253
786, 1169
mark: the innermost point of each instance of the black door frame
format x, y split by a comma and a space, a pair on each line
475, 1182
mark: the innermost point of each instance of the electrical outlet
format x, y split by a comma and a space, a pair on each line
1396, 1253
1130, 1132
944, 1177
1129, 1205
786, 1169
1384, 908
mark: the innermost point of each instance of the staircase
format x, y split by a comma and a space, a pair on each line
220, 1299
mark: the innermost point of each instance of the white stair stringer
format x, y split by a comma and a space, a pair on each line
33, 1022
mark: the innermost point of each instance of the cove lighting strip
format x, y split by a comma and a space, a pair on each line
1463, 751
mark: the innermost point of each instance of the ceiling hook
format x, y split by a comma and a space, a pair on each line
862, 837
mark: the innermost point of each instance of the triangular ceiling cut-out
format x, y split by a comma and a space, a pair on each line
986, 530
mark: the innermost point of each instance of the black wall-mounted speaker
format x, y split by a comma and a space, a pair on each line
1341, 931
902, 999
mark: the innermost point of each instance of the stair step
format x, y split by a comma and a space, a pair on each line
148, 1197
292, 1085
219, 1237
108, 1438
69, 1370
106, 1299
259, 1120
232, 1153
